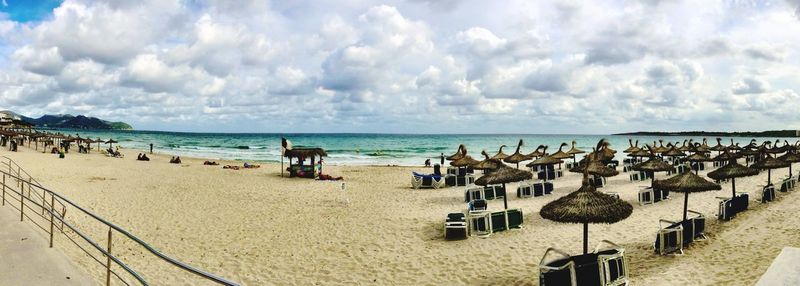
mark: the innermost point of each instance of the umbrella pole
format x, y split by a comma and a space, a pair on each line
733, 187
585, 238
505, 197
685, 205
769, 177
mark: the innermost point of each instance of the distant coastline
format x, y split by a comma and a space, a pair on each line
771, 133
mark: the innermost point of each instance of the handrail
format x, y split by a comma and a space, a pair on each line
181, 265
20, 171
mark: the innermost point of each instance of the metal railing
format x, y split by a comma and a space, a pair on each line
14, 195
14, 168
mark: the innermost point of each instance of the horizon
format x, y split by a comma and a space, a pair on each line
406, 67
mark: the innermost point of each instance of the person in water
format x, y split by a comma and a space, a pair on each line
441, 157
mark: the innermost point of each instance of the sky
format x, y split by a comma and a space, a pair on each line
414, 66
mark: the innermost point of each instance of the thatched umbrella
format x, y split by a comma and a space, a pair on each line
697, 157
560, 154
487, 163
777, 150
111, 142
704, 147
517, 156
732, 171
686, 183
595, 168
574, 151
633, 147
673, 152
726, 156
790, 158
734, 146
585, 206
500, 155
659, 149
653, 165
546, 160
462, 150
540, 151
502, 175
465, 161
685, 147
719, 147
770, 163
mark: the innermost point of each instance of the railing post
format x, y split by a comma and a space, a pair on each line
108, 259
52, 200
4, 189
21, 204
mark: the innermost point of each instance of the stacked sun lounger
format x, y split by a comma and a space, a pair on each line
677, 235
788, 184
602, 267
597, 181
639, 176
729, 207
698, 166
650, 195
627, 165
529, 189
462, 176
768, 193
485, 223
427, 181
547, 172
455, 226
487, 193
678, 169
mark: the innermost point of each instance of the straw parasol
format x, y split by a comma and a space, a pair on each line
111, 142
685, 147
659, 149
768, 164
633, 147
502, 175
734, 147
686, 183
719, 147
487, 163
517, 156
697, 157
540, 151
561, 154
586, 205
546, 160
732, 171
596, 168
574, 151
653, 165
790, 158
464, 161
500, 155
462, 150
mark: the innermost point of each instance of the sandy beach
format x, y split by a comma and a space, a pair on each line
256, 228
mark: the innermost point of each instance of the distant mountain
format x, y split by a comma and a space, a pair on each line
69, 121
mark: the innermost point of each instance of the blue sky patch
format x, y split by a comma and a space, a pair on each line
28, 10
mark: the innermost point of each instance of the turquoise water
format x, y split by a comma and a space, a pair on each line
361, 149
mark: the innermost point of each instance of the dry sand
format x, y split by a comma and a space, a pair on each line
256, 228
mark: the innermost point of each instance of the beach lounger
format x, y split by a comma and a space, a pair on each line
477, 205
613, 194
426, 181
606, 267
788, 184
525, 190
494, 192
465, 180
730, 207
717, 164
514, 218
542, 188
669, 239
678, 169
455, 226
639, 176
597, 181
550, 174
768, 193
480, 223
649, 195
499, 221
698, 166
474, 193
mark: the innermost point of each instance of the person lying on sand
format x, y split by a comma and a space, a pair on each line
175, 160
323, 177
231, 167
251, 166
210, 163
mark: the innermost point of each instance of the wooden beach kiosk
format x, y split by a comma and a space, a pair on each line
303, 162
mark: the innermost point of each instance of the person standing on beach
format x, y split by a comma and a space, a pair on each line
151, 148
441, 157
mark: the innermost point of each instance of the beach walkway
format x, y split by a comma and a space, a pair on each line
25, 258
784, 269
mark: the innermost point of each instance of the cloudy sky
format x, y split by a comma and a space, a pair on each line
414, 66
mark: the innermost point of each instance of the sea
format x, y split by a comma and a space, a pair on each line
366, 149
